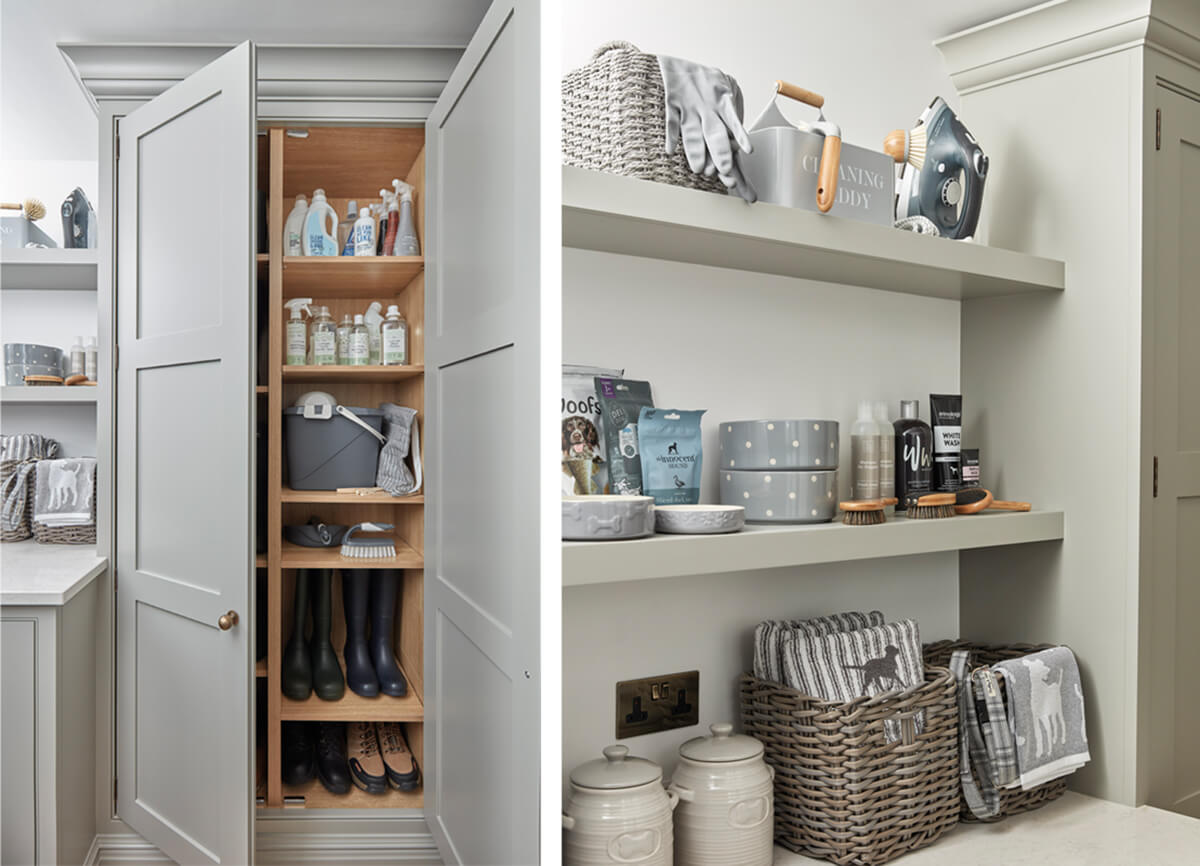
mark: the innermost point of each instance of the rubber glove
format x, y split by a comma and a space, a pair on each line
704, 112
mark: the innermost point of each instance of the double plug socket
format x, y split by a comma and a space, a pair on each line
657, 703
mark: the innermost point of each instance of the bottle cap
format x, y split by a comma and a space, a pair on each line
352, 209
864, 410
393, 310
358, 318
300, 199
881, 410
318, 194
910, 408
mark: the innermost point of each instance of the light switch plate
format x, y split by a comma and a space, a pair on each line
658, 703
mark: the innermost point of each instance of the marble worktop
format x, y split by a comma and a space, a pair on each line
46, 574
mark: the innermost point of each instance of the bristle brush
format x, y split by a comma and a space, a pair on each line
929, 505
865, 512
972, 500
907, 146
32, 209
379, 547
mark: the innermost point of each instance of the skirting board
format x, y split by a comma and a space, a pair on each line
413, 849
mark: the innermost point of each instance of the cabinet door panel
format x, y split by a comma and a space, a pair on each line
184, 479
19, 795
483, 450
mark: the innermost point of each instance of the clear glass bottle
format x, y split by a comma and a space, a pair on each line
343, 339
394, 333
360, 346
324, 338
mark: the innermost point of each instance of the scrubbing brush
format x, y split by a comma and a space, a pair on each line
382, 547
32, 209
865, 512
930, 505
907, 145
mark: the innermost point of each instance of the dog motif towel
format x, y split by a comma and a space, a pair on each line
1045, 712
64, 492
846, 665
768, 650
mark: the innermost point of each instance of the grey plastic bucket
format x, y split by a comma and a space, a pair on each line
325, 454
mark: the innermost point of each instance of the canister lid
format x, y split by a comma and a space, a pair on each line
616, 770
724, 745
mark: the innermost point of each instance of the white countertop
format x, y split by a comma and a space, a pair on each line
46, 574
1072, 831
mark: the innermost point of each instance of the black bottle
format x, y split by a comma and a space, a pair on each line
914, 452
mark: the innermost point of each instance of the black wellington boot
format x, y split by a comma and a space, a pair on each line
326, 672
385, 583
360, 670
299, 752
296, 668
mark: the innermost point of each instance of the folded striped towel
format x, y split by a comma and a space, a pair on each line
768, 648
845, 665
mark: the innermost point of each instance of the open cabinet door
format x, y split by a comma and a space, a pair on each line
184, 474
482, 448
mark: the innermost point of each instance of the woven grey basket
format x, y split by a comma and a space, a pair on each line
614, 120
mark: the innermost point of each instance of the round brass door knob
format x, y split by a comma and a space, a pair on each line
228, 620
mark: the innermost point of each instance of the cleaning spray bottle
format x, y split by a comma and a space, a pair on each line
360, 344
363, 236
293, 228
393, 221
380, 210
297, 331
324, 338
346, 229
374, 321
343, 339
318, 239
406, 236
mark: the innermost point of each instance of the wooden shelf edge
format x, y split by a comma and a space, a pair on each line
295, 556
764, 547
332, 497
315, 796
354, 708
344, 373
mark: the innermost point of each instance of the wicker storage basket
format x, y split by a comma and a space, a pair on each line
614, 119
1015, 801
21, 531
44, 534
842, 792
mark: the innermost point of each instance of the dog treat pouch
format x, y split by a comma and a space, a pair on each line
621, 401
669, 440
584, 464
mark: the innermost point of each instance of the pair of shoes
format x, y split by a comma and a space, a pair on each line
313, 665
380, 757
316, 748
371, 666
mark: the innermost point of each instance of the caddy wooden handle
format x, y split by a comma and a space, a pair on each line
831, 155
1004, 505
791, 91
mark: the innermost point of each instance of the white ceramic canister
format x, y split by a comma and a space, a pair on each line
618, 812
726, 801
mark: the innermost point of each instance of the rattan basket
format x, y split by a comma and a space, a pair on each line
842, 792
20, 531
44, 534
1012, 802
614, 120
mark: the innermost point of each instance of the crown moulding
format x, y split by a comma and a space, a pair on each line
326, 82
1061, 32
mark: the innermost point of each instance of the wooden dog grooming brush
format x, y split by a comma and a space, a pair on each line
929, 505
865, 512
972, 500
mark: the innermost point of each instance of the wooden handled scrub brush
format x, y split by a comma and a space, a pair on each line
865, 512
972, 500
32, 209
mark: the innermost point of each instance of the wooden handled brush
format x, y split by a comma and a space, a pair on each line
32, 209
907, 146
831, 150
972, 500
865, 512
929, 505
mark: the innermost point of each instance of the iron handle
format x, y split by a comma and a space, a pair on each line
227, 620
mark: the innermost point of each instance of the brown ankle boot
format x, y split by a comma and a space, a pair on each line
366, 764
398, 760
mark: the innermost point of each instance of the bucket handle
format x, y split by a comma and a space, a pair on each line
350, 416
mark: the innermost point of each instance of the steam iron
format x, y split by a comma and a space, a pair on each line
943, 173
78, 221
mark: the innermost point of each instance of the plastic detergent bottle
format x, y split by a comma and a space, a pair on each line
394, 334
346, 229
374, 320
343, 339
406, 235
363, 236
295, 348
393, 222
324, 338
293, 228
320, 227
360, 345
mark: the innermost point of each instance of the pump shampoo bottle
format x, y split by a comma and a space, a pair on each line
864, 454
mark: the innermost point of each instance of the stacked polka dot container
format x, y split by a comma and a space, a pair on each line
780, 471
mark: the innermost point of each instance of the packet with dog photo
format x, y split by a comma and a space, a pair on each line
585, 469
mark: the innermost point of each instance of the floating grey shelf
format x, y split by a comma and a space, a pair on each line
47, 394
70, 270
758, 547
615, 214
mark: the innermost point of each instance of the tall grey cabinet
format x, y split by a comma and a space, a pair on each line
178, 759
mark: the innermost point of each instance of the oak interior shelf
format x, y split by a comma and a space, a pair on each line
614, 214
759, 547
329, 497
354, 708
295, 556
348, 276
345, 373
47, 394
312, 795
53, 270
